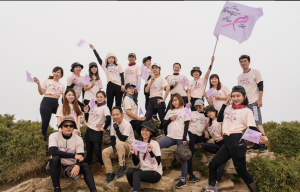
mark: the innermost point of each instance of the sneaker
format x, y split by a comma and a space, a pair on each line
180, 184
158, 134
121, 172
154, 117
193, 179
253, 148
110, 177
263, 148
208, 187
58, 189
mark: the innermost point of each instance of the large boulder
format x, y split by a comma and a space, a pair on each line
167, 156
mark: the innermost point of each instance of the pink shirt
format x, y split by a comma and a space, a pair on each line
53, 88
113, 73
97, 116
59, 112
77, 87
150, 163
128, 103
157, 87
179, 87
223, 92
125, 129
215, 130
198, 123
197, 87
73, 145
132, 73
176, 127
236, 120
249, 81
91, 93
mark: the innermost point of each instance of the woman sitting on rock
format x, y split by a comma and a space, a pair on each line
67, 155
150, 166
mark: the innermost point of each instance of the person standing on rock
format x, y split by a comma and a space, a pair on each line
235, 117
156, 88
215, 131
52, 89
115, 78
67, 155
69, 107
147, 63
133, 74
177, 124
196, 87
131, 108
98, 122
222, 93
253, 83
150, 162
121, 136
197, 134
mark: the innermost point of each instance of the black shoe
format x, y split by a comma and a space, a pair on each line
263, 148
253, 148
158, 134
193, 179
110, 177
121, 172
180, 184
154, 117
58, 189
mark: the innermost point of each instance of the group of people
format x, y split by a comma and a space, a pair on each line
223, 120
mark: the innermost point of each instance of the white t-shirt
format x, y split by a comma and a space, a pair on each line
77, 87
59, 112
97, 116
132, 73
157, 87
215, 130
198, 123
91, 93
179, 87
128, 103
223, 92
113, 73
197, 87
53, 88
125, 129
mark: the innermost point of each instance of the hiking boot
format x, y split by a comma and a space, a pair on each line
121, 172
208, 187
110, 177
263, 148
180, 184
193, 179
158, 134
255, 147
57, 189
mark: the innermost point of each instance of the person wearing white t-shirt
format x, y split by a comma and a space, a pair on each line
150, 170
133, 74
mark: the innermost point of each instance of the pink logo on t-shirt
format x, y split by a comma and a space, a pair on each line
68, 150
199, 85
211, 129
245, 81
114, 70
205, 122
232, 116
58, 89
153, 86
95, 113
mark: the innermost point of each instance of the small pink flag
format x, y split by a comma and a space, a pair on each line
185, 112
184, 82
29, 78
210, 92
236, 21
77, 79
141, 112
92, 104
137, 87
80, 43
86, 79
145, 75
188, 106
140, 146
251, 135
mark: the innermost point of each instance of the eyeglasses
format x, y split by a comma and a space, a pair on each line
71, 126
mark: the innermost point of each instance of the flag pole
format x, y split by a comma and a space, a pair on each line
210, 70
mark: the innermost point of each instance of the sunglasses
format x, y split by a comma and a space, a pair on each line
71, 126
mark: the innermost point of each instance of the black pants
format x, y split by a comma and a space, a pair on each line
184, 99
214, 148
233, 149
86, 115
135, 176
161, 114
135, 123
193, 140
193, 103
113, 91
93, 146
55, 170
47, 107
147, 95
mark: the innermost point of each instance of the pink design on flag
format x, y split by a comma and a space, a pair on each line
241, 17
232, 116
188, 106
145, 75
29, 78
210, 92
80, 43
92, 104
184, 82
140, 146
86, 79
251, 135
76, 79
185, 112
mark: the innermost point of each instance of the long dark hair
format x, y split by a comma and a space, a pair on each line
91, 73
66, 106
56, 69
141, 139
219, 82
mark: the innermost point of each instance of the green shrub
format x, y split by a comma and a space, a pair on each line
269, 126
83, 129
280, 175
20, 142
285, 140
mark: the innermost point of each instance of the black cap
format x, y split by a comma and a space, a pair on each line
239, 89
129, 85
210, 108
196, 69
148, 125
92, 64
147, 58
75, 65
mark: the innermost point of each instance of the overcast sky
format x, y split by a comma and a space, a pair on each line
37, 36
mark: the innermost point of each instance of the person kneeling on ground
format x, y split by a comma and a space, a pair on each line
121, 136
67, 155
150, 163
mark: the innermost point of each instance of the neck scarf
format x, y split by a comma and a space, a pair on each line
130, 96
100, 104
238, 106
111, 65
66, 137
132, 64
175, 73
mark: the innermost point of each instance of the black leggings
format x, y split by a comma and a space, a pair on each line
113, 91
193, 140
55, 170
193, 103
135, 123
93, 146
214, 148
86, 115
161, 114
233, 149
47, 107
147, 95
135, 176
